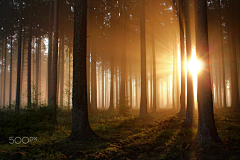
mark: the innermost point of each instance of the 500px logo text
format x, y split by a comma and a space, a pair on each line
19, 140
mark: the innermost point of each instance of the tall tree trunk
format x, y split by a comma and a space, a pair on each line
183, 72
62, 70
10, 76
2, 73
93, 66
207, 132
154, 74
222, 55
123, 100
19, 59
143, 105
88, 56
37, 71
190, 98
69, 77
81, 130
49, 51
111, 106
53, 94
23, 48
29, 58
233, 58
5, 69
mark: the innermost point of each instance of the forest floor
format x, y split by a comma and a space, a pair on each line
160, 137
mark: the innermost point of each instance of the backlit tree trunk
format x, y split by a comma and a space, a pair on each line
190, 98
53, 94
19, 59
143, 104
207, 132
81, 130
29, 58
49, 50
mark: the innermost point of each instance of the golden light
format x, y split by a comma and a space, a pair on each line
194, 65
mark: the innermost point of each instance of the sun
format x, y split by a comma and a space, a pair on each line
194, 65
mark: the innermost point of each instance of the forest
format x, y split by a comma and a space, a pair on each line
119, 79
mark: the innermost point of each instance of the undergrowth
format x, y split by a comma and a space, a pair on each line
159, 137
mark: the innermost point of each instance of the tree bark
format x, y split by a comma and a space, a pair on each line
53, 95
190, 98
81, 130
207, 132
17, 110
10, 76
5, 69
49, 50
183, 72
143, 105
29, 58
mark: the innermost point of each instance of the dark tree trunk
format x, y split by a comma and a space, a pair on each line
111, 107
81, 130
88, 57
62, 69
207, 132
190, 98
49, 50
222, 55
23, 48
19, 59
233, 58
183, 73
93, 67
2, 72
143, 105
29, 58
53, 95
5, 69
10, 76
122, 89
69, 77
37, 70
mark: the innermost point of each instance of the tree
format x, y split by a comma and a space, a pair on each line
190, 99
81, 130
143, 105
49, 50
53, 95
29, 58
181, 24
207, 132
19, 59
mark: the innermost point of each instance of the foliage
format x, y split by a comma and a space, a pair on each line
160, 137
122, 107
34, 96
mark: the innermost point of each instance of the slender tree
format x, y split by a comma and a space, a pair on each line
207, 132
29, 58
53, 95
190, 99
5, 69
19, 58
81, 130
143, 105
49, 50
181, 24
